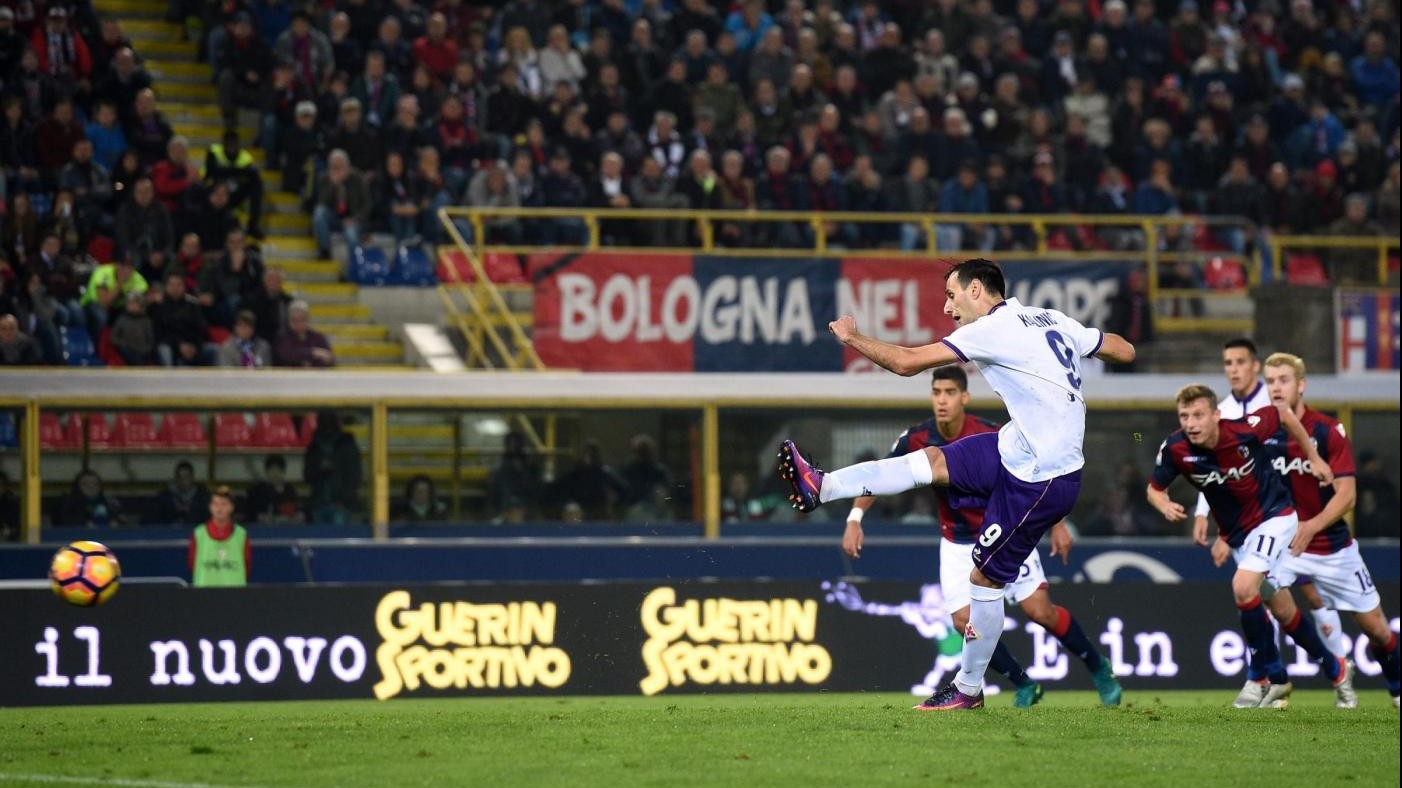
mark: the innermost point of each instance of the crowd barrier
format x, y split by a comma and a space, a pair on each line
156, 644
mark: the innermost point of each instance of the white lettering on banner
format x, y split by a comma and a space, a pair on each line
262, 660
1227, 653
268, 648
1148, 643
1084, 300
1048, 663
48, 649
887, 309
94, 639
1303, 664
746, 309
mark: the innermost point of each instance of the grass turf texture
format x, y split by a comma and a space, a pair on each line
1170, 738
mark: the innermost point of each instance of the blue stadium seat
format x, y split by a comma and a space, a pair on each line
368, 266
412, 268
9, 434
78, 347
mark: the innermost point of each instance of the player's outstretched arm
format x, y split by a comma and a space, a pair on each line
1115, 349
904, 361
852, 537
1318, 467
1164, 505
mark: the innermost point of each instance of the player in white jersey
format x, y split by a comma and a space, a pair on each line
1026, 476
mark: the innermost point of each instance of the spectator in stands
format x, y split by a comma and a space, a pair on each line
1237, 194
148, 131
54, 138
21, 234
90, 185
269, 305
230, 164
57, 278
63, 54
173, 177
306, 48
420, 503
1131, 313
144, 230
360, 142
644, 471
299, 345
133, 333
230, 280
964, 193
244, 65
515, 483
395, 204
913, 193
16, 348
273, 500
1377, 511
244, 348
220, 553
331, 468
653, 189
343, 203
1386, 201
285, 93
87, 505
654, 507
591, 485
9, 502
107, 291
105, 131
180, 326
182, 501
12, 44
300, 146
737, 504
1375, 74
1357, 266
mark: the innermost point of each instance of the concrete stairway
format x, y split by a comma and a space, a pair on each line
189, 100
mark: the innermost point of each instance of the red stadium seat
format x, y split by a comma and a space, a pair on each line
275, 431
107, 351
231, 430
1223, 273
100, 435
134, 431
453, 266
217, 334
502, 268
184, 431
308, 429
52, 434
1305, 269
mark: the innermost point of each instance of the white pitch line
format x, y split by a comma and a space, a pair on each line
116, 781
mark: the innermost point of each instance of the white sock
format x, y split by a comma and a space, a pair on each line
879, 477
1331, 630
986, 619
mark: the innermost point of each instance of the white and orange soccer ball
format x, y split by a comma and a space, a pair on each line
85, 573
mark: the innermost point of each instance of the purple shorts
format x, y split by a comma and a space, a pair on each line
1015, 513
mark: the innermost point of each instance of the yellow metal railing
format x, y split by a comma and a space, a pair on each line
1282, 245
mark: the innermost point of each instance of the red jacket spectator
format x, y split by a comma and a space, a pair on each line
173, 178
440, 56
55, 135
69, 56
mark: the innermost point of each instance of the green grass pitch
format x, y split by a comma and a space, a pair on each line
1170, 738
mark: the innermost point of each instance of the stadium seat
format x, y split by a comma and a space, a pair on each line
78, 347
412, 268
275, 431
453, 266
1306, 269
503, 268
52, 434
217, 334
1222, 273
308, 429
135, 431
231, 431
183, 431
368, 266
9, 432
100, 434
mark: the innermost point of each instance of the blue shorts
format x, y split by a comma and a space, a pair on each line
1015, 513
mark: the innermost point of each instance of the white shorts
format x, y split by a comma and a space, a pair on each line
957, 561
1342, 578
1267, 546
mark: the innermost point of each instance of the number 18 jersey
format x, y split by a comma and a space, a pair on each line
1032, 359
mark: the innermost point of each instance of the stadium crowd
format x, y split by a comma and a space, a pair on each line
377, 113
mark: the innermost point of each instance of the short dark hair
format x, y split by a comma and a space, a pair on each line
1243, 342
952, 373
980, 270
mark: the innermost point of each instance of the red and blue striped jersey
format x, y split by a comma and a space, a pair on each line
1310, 499
1241, 486
959, 526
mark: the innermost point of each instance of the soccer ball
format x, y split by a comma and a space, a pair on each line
84, 573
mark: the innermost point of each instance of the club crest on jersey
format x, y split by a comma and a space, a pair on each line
970, 633
1225, 475
1243, 451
